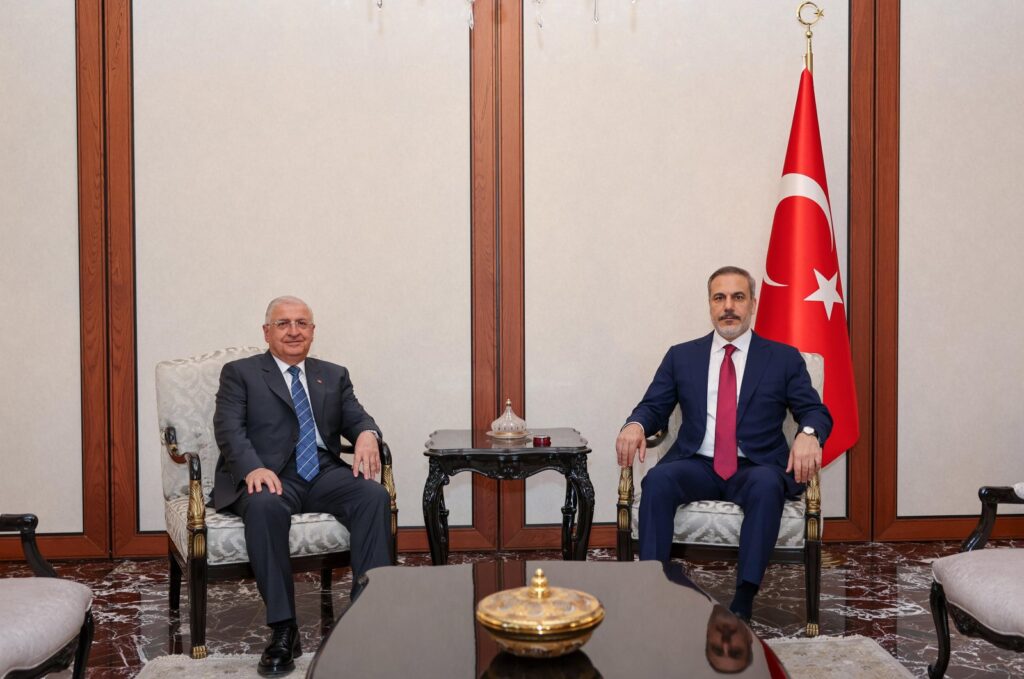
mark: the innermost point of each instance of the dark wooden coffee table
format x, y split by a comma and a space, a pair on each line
419, 622
456, 450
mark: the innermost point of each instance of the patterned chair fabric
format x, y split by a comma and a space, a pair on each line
716, 523
310, 534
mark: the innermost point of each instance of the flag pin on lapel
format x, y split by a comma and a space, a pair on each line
319, 380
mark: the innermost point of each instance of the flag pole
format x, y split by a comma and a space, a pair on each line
812, 496
816, 14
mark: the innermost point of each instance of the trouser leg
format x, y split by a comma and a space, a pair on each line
664, 488
760, 491
363, 506
268, 518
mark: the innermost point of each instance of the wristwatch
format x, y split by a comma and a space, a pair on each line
810, 431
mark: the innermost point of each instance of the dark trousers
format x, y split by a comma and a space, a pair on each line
760, 490
362, 505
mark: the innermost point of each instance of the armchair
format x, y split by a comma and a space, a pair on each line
45, 622
981, 589
209, 545
711, 529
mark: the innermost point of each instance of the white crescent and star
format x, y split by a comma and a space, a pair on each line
827, 292
800, 185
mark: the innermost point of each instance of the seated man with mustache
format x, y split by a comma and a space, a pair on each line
734, 388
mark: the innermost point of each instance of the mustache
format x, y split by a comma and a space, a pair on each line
728, 316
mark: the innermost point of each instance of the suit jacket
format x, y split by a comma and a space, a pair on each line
775, 379
255, 423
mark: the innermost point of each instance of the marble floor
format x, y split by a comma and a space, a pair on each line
876, 590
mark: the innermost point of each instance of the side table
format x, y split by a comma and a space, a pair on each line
452, 451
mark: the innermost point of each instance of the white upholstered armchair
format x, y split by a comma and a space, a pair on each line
711, 529
45, 621
981, 589
210, 545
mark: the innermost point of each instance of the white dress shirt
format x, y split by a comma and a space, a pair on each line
305, 385
739, 360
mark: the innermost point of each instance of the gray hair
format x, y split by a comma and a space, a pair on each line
734, 270
285, 299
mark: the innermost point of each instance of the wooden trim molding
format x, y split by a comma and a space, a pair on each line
483, 50
860, 277
94, 540
128, 540
888, 525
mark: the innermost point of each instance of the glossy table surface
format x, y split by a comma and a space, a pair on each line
419, 622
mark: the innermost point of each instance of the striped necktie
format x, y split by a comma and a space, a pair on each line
305, 450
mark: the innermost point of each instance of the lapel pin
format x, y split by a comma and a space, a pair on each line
319, 380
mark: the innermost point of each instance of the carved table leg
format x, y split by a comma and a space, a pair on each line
568, 522
584, 489
435, 515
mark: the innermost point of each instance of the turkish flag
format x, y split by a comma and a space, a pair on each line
802, 300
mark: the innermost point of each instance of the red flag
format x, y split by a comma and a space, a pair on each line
802, 300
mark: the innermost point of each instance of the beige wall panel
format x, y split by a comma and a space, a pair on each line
319, 149
961, 371
41, 404
654, 143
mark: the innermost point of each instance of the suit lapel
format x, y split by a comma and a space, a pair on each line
700, 383
275, 380
317, 390
757, 361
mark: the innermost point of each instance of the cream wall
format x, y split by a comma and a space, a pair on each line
654, 143
41, 402
315, 149
961, 371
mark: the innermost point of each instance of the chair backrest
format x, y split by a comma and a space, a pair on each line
816, 369
186, 391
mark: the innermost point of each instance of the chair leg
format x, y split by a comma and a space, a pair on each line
326, 602
938, 604
197, 606
174, 590
84, 646
812, 584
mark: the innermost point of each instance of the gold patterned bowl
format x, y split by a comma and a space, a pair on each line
540, 621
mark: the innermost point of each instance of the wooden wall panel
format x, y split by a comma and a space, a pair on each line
94, 540
887, 524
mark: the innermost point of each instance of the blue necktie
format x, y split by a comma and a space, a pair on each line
305, 450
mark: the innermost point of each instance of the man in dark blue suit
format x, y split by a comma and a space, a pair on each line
279, 421
734, 388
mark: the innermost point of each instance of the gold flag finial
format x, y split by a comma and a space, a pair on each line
816, 14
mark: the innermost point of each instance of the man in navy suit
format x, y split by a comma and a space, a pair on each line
734, 388
279, 421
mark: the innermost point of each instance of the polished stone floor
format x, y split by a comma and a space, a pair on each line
871, 589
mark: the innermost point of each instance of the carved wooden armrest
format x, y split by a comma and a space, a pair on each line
387, 479
991, 497
812, 509
26, 524
625, 503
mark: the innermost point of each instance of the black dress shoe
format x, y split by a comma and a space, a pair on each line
279, 656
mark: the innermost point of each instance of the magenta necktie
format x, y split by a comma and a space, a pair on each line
725, 417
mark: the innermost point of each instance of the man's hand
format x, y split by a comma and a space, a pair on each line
367, 455
257, 478
630, 441
804, 457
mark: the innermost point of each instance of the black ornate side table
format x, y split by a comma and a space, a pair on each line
452, 451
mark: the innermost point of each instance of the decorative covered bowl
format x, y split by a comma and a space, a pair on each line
539, 621
508, 426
